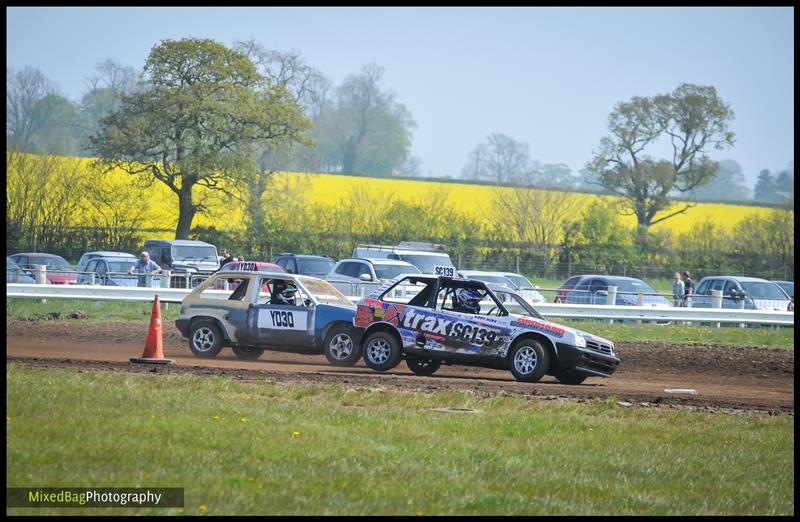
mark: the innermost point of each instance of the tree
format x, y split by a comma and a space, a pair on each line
784, 185
38, 119
766, 188
363, 129
499, 158
195, 124
106, 89
727, 185
691, 119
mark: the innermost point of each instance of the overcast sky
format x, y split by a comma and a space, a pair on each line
545, 76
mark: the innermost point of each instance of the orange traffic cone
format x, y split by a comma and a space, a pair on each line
153, 346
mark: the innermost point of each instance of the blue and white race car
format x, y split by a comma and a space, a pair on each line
462, 321
269, 310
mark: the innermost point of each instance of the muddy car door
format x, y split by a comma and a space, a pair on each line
282, 315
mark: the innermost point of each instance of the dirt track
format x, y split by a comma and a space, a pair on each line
724, 377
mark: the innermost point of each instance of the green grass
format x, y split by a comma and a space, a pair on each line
92, 311
291, 449
781, 338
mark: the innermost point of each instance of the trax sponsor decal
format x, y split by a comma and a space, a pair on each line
540, 326
282, 320
451, 328
446, 271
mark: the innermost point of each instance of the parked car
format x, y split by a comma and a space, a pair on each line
462, 321
750, 293
566, 286
15, 273
315, 266
111, 269
514, 281
593, 289
352, 276
58, 271
268, 310
183, 257
88, 256
786, 286
427, 257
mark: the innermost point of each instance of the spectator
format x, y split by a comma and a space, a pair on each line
678, 289
144, 266
227, 257
688, 289
241, 258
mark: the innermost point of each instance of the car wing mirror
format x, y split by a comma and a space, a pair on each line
365, 277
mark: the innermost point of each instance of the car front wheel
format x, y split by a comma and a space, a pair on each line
248, 353
423, 366
528, 360
340, 348
381, 351
205, 340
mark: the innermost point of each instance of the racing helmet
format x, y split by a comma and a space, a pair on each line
283, 293
468, 301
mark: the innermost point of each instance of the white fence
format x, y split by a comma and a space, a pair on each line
570, 311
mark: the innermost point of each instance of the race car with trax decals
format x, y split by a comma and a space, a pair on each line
463, 321
269, 310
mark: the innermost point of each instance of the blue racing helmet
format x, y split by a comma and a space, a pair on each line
468, 301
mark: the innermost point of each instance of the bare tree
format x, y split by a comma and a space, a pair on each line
502, 159
25, 115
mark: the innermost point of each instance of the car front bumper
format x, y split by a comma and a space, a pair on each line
593, 362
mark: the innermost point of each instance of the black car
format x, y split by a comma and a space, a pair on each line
316, 266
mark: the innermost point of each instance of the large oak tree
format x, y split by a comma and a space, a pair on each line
203, 109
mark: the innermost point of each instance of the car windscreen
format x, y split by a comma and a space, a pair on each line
193, 253
426, 263
314, 266
527, 309
325, 293
520, 282
51, 262
758, 290
392, 271
120, 266
631, 285
500, 280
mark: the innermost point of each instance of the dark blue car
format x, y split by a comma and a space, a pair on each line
269, 310
593, 289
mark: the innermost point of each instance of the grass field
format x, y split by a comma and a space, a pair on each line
292, 449
107, 311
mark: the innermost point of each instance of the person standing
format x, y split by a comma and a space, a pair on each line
227, 257
688, 289
678, 289
144, 266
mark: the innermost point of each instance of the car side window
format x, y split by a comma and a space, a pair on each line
363, 268
351, 270
702, 288
730, 285
597, 285
341, 268
102, 267
291, 266
717, 284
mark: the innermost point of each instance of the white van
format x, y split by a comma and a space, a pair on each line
431, 260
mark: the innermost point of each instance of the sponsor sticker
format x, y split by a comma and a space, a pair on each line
283, 319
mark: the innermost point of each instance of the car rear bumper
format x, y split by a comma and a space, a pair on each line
586, 360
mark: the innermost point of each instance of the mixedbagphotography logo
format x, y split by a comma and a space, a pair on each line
94, 497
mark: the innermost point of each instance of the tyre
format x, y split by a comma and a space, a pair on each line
248, 353
423, 366
571, 377
381, 351
528, 360
340, 348
205, 339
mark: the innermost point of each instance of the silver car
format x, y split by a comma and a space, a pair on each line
353, 275
516, 282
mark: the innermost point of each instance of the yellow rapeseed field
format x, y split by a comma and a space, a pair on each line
331, 189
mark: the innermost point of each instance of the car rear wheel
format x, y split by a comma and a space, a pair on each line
381, 351
571, 377
528, 360
423, 366
340, 348
248, 353
205, 339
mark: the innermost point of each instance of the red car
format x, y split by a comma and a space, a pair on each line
57, 270
238, 266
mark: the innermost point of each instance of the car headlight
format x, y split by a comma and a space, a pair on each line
580, 341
